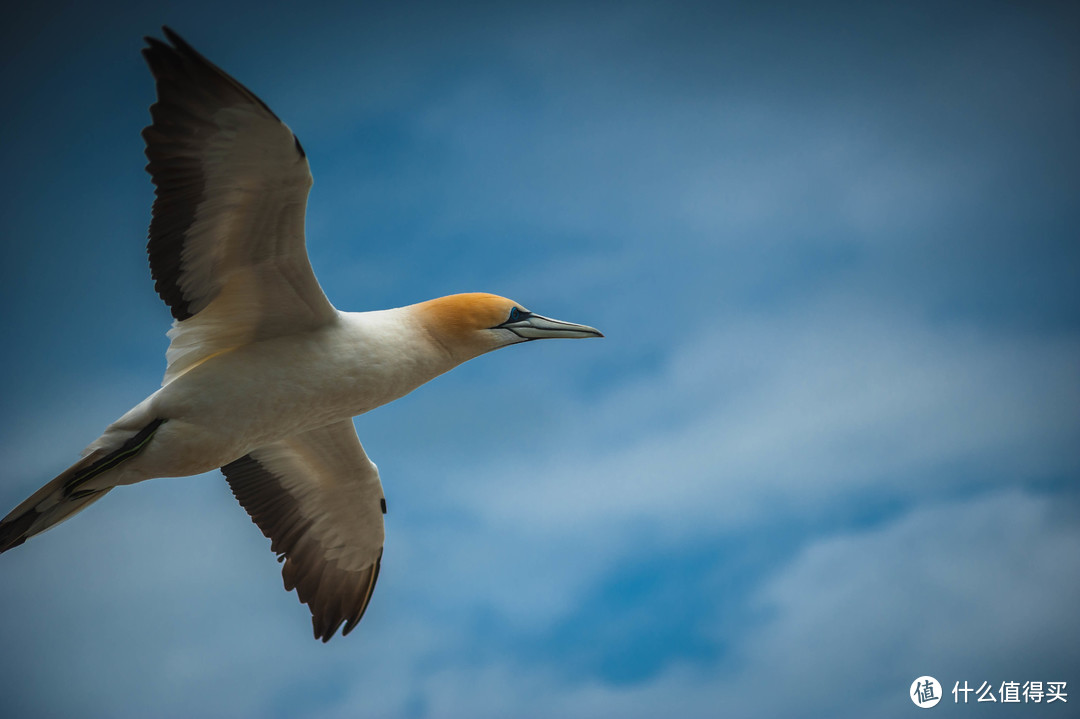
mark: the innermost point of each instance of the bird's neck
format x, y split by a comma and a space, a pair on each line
393, 353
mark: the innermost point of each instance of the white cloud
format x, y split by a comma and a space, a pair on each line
787, 413
979, 589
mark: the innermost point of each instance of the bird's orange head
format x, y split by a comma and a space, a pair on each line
470, 324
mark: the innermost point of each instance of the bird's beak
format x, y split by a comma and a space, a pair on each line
535, 327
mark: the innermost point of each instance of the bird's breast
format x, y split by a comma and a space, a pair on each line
269, 390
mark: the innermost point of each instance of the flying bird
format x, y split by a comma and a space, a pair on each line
263, 374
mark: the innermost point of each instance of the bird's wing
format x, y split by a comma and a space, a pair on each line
318, 498
227, 236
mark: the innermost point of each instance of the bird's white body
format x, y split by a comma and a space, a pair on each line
251, 396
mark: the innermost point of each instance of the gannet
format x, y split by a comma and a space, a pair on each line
263, 374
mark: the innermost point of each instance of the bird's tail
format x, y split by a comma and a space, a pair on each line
69, 493
48, 506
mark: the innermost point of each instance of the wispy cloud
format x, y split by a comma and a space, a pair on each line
842, 629
785, 413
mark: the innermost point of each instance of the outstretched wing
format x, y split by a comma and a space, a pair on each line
227, 236
318, 498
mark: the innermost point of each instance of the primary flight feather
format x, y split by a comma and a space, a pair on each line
263, 374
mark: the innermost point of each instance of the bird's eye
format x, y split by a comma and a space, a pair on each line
517, 314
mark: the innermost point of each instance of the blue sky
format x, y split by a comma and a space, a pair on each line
829, 444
